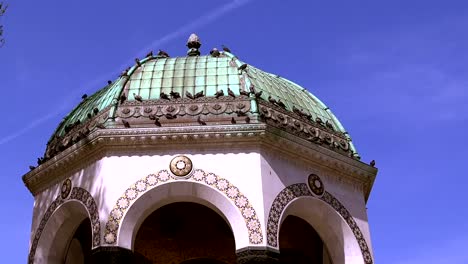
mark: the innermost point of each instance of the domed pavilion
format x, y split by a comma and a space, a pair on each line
202, 158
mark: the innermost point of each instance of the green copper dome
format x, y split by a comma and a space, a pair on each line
192, 74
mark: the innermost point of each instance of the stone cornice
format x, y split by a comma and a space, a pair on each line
102, 142
205, 111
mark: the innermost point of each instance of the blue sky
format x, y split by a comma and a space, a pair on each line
394, 72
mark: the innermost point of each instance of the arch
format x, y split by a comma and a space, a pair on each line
329, 214
157, 190
58, 223
184, 231
299, 242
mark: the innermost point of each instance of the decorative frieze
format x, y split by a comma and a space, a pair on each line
76, 194
315, 132
185, 106
210, 179
301, 189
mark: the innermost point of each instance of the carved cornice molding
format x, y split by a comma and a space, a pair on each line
342, 169
184, 106
140, 140
76, 133
318, 133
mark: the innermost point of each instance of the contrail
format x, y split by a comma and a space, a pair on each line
199, 22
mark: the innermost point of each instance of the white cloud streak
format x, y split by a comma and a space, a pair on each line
188, 27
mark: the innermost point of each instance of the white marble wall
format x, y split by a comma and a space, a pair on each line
260, 176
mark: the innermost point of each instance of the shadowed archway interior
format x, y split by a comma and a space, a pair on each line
79, 247
185, 233
300, 244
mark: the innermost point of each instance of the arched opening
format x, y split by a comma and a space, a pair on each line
185, 233
79, 247
300, 244
342, 245
70, 220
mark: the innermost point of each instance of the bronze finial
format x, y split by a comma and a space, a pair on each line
193, 44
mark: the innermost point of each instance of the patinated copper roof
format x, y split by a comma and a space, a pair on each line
190, 75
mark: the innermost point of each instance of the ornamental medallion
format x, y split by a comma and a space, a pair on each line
315, 185
181, 166
66, 188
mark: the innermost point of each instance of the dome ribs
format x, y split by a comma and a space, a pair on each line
176, 92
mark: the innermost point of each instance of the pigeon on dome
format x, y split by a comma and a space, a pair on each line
226, 49
215, 52
163, 54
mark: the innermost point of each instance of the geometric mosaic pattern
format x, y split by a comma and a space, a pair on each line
300, 189
212, 180
77, 194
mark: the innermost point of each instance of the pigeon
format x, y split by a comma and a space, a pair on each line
100, 126
89, 115
239, 113
125, 123
109, 82
272, 100
123, 98
150, 54
84, 96
258, 94
31, 167
164, 96
247, 119
242, 67
252, 89
170, 116
219, 93
305, 114
242, 92
280, 103
163, 54
301, 113
319, 120
296, 110
226, 49
233, 120
137, 97
138, 62
199, 94
174, 95
189, 95
125, 72
372, 163
231, 93
215, 52
156, 122
95, 110
200, 121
